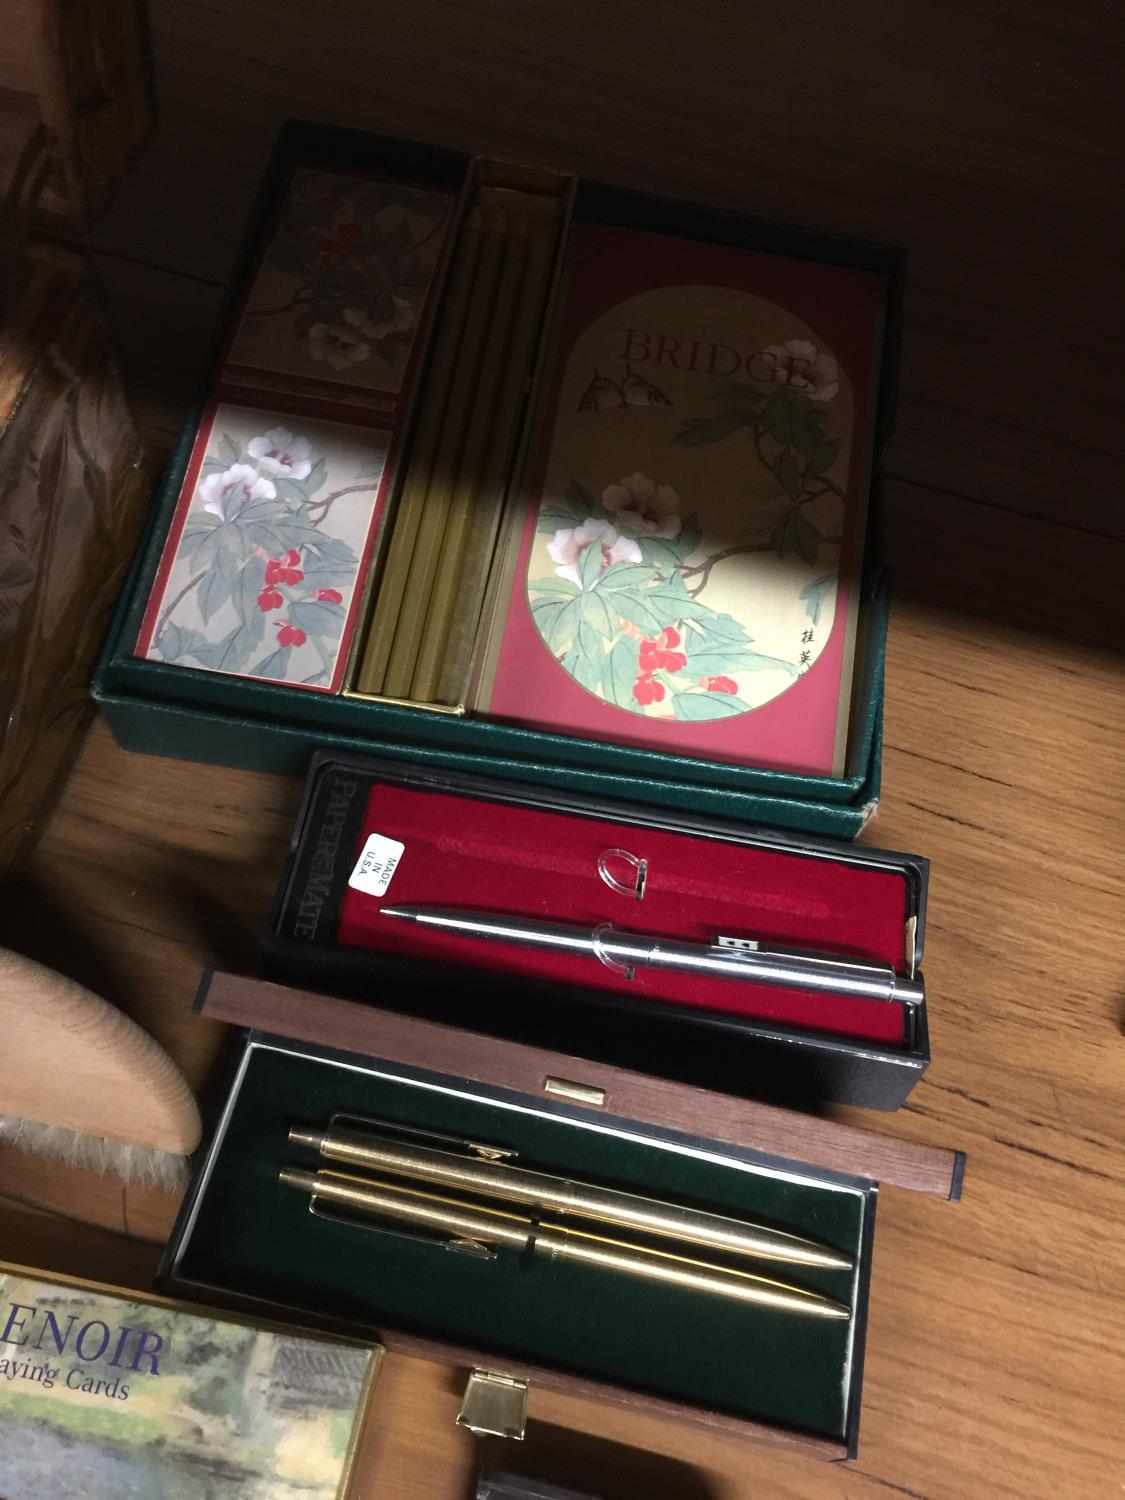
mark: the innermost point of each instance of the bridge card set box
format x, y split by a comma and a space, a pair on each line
507, 472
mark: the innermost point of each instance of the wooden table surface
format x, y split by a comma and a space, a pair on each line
985, 139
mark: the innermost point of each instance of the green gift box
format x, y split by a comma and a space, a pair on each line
164, 709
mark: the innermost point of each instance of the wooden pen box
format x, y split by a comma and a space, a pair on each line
444, 839
745, 1370
570, 601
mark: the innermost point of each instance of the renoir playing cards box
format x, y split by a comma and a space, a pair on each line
104, 1393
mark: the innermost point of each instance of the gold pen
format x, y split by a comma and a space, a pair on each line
583, 1200
474, 1227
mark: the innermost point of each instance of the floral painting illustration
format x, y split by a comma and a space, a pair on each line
343, 282
629, 608
265, 566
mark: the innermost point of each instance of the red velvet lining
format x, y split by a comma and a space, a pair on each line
495, 857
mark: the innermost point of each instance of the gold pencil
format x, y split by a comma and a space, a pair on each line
454, 429
486, 1228
461, 517
467, 588
404, 532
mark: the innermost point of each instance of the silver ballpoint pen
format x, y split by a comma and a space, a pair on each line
725, 958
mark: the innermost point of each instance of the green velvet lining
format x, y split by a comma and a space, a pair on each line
251, 1234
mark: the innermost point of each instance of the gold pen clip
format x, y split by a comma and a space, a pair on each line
337, 1215
480, 1150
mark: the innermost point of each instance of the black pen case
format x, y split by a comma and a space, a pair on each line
450, 839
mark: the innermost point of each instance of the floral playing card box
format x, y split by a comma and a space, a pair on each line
508, 472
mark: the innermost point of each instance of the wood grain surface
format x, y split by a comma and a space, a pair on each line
986, 139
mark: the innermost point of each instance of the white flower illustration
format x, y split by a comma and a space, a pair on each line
280, 453
805, 367
648, 508
225, 494
566, 548
337, 346
391, 315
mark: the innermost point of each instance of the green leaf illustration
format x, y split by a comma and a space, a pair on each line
755, 661
731, 394
715, 628
545, 612
317, 617
623, 576
699, 432
759, 521
372, 469
216, 587
317, 475
170, 643
789, 473
555, 585
676, 603
697, 708
557, 623
635, 606
764, 489
590, 566
293, 490
621, 673
594, 611
275, 665
563, 514
822, 459
806, 538
814, 595
689, 538
229, 451
716, 661
586, 659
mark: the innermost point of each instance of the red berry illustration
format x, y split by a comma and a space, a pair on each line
330, 596
269, 598
645, 691
720, 684
289, 635
654, 653
284, 569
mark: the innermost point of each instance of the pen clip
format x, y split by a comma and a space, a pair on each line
598, 937
337, 1215
480, 1150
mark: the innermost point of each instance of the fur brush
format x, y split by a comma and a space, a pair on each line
84, 1086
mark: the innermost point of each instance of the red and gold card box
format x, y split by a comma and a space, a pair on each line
742, 1371
157, 706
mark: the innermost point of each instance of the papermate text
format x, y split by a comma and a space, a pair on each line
323, 861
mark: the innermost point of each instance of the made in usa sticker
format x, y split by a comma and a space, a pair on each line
376, 865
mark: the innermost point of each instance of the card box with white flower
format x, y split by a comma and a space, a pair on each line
684, 570
341, 293
266, 553
624, 539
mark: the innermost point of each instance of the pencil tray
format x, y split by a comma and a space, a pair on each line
314, 432
687, 1354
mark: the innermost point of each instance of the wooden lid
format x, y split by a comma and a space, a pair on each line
804, 1140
